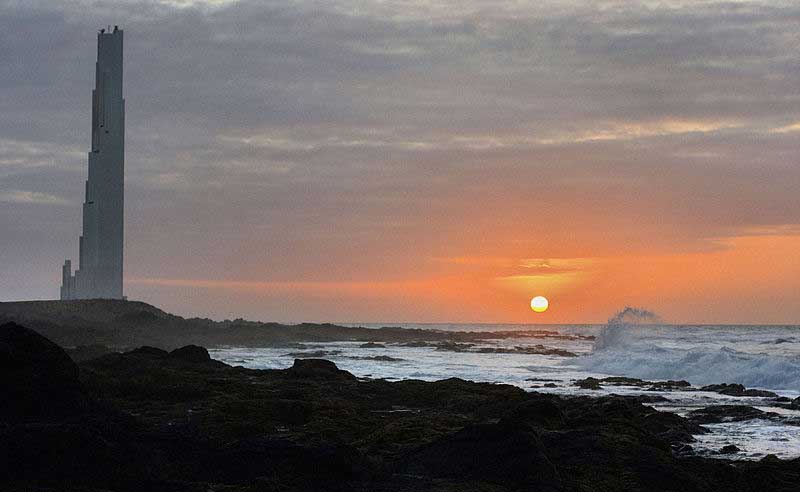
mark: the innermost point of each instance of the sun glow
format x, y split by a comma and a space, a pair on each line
539, 304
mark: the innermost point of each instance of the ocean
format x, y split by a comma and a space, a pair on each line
760, 357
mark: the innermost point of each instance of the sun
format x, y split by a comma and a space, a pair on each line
539, 304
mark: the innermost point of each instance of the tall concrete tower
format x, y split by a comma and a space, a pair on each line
99, 273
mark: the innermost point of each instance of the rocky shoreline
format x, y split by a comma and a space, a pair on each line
151, 419
103, 324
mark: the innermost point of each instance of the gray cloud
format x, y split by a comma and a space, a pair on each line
308, 131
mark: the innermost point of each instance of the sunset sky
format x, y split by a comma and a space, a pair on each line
418, 161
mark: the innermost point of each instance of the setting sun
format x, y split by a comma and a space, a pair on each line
539, 304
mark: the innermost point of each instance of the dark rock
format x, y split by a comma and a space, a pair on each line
623, 381
652, 385
138, 317
378, 358
372, 345
88, 352
317, 369
501, 453
588, 383
715, 414
190, 353
454, 347
540, 411
96, 451
729, 449
37, 378
289, 462
416, 344
550, 385
737, 390
313, 354
148, 352
649, 398
670, 385
528, 350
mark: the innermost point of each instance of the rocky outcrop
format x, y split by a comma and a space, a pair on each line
178, 421
37, 378
596, 384
507, 453
716, 414
319, 369
738, 390
190, 353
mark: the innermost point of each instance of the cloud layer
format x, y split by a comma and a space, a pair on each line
355, 141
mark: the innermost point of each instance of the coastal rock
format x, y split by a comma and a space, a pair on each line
190, 353
540, 411
372, 345
165, 422
728, 449
148, 352
588, 383
313, 354
527, 350
594, 383
37, 378
317, 369
716, 414
737, 390
378, 358
670, 385
323, 467
646, 399
505, 452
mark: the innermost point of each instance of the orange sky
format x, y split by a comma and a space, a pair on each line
751, 278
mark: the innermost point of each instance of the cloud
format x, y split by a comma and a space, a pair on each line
31, 197
283, 140
793, 127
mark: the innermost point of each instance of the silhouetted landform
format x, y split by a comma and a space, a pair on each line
470, 347
736, 389
596, 384
728, 389
118, 323
150, 419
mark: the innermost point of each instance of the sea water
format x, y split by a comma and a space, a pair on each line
762, 357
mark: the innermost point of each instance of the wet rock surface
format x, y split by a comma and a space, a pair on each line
716, 414
37, 378
150, 419
738, 390
596, 384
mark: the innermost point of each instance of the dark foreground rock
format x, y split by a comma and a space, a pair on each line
596, 384
149, 419
738, 390
37, 378
716, 414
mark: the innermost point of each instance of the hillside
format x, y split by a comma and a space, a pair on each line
128, 324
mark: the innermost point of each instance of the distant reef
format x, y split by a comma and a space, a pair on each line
91, 324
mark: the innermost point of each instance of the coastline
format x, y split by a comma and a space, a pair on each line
182, 421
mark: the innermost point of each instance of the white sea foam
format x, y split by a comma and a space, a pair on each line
634, 344
698, 366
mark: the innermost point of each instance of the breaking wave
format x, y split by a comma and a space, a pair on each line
629, 346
